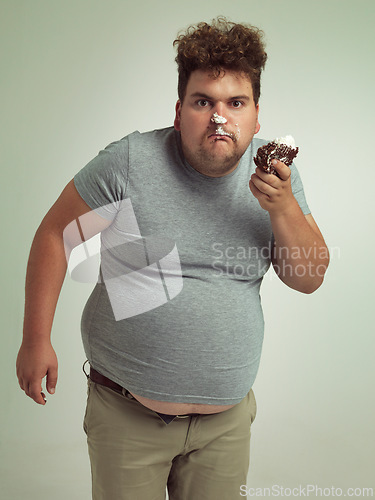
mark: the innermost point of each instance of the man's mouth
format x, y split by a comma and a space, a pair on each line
220, 133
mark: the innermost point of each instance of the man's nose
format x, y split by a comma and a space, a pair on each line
218, 118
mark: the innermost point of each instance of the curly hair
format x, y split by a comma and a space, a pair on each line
221, 46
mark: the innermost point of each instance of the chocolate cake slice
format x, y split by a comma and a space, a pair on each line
283, 149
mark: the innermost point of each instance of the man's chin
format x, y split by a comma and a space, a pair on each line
215, 165
214, 158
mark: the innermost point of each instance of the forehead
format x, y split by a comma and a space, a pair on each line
228, 84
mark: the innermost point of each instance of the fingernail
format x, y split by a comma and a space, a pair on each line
274, 162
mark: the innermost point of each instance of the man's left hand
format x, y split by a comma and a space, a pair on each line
274, 192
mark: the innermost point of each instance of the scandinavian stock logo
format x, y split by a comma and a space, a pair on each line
140, 273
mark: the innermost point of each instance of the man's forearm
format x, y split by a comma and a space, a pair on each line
46, 270
300, 255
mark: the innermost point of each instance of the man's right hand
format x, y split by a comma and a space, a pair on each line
34, 362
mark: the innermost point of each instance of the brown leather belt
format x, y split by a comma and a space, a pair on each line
100, 379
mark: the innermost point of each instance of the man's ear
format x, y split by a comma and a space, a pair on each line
257, 126
177, 119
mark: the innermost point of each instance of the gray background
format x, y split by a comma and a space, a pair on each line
76, 75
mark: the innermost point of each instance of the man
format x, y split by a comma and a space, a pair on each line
173, 329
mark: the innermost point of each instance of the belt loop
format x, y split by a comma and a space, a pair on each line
83, 369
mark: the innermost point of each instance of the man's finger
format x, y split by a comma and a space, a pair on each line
282, 170
35, 392
262, 185
255, 190
51, 380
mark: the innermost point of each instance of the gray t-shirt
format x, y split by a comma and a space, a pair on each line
177, 313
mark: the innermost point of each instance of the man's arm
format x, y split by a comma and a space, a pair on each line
300, 255
45, 275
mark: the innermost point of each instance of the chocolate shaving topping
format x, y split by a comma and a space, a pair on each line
270, 151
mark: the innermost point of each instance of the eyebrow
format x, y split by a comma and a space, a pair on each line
234, 98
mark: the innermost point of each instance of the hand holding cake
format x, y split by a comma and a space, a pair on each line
274, 192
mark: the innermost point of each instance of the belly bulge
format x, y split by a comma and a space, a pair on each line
179, 408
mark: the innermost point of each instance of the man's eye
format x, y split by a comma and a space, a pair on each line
236, 104
202, 103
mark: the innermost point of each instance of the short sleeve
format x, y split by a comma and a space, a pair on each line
298, 191
102, 182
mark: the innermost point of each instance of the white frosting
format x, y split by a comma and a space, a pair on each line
221, 131
288, 140
218, 119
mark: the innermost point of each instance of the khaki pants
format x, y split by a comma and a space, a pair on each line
134, 454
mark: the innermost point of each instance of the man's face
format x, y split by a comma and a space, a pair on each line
217, 121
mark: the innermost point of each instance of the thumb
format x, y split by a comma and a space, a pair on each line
51, 379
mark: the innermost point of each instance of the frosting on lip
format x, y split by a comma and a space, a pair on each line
220, 131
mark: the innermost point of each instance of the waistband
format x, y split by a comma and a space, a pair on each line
100, 379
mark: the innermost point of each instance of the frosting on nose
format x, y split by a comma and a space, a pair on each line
215, 118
